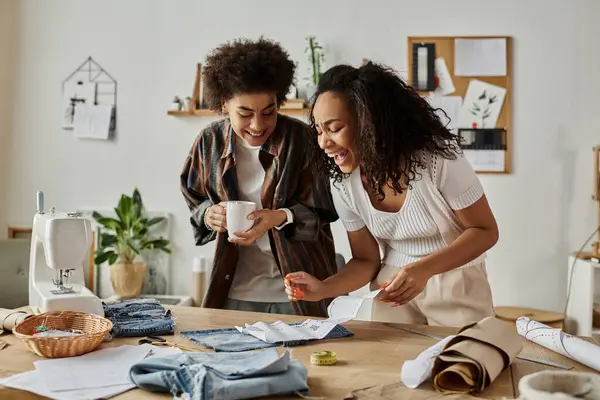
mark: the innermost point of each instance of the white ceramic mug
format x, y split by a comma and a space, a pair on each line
237, 216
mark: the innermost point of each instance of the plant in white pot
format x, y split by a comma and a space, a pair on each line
121, 242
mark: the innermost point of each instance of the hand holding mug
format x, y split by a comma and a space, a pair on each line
264, 221
216, 217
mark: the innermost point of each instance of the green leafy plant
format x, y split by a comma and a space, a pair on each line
125, 237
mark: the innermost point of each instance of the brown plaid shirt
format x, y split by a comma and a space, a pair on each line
209, 177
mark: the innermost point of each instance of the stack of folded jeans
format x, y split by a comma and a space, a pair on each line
139, 317
198, 376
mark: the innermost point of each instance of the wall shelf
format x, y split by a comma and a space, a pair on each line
196, 101
208, 113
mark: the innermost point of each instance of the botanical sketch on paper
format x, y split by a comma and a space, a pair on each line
482, 105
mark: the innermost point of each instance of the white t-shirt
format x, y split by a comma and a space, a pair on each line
411, 233
257, 277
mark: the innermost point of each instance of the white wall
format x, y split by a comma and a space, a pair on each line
151, 48
8, 44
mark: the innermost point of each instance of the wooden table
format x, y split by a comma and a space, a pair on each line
373, 356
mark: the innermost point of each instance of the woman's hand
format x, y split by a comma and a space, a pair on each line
216, 217
407, 284
303, 286
265, 220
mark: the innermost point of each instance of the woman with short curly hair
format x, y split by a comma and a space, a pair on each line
403, 187
257, 155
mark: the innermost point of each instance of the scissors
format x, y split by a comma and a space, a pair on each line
162, 342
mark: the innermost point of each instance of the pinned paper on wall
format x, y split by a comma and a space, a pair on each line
451, 106
480, 57
93, 121
445, 86
76, 93
482, 105
486, 160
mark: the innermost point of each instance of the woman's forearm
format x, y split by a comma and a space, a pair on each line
354, 275
472, 243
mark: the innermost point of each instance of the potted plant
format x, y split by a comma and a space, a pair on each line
121, 241
316, 58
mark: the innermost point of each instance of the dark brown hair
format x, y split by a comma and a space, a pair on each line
393, 123
246, 66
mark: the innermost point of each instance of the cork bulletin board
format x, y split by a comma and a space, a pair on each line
475, 75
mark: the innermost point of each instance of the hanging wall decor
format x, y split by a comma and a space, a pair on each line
89, 101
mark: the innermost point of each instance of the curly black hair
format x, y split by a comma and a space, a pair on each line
393, 123
246, 66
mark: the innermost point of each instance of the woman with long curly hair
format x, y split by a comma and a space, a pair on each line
404, 190
257, 155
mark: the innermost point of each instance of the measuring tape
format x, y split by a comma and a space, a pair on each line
323, 358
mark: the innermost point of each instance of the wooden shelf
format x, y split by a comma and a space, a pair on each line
209, 113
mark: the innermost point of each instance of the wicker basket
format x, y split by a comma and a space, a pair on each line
94, 328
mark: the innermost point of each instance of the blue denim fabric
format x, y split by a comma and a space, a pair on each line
139, 317
232, 340
222, 375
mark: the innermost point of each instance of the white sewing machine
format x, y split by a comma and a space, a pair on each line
59, 244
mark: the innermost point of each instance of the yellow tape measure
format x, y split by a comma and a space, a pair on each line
323, 358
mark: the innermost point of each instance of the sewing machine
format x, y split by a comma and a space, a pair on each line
59, 245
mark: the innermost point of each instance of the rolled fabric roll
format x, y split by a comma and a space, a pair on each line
475, 357
11, 318
556, 340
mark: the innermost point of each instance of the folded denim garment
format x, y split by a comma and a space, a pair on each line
232, 340
198, 376
139, 317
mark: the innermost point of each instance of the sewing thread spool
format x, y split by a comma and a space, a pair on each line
323, 358
198, 277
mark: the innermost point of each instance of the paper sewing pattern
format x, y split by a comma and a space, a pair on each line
482, 105
480, 57
341, 309
560, 342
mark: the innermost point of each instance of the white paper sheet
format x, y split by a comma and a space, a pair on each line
486, 160
451, 106
482, 105
75, 93
33, 382
556, 340
341, 309
67, 377
445, 84
415, 372
480, 57
93, 121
